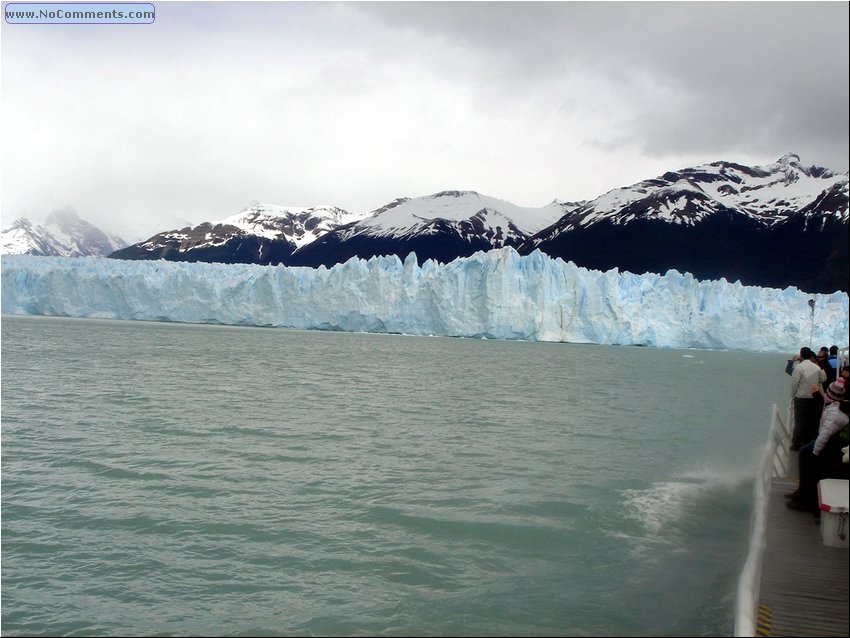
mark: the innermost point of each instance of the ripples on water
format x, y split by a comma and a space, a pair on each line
184, 480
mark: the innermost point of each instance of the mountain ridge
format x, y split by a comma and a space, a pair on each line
776, 225
63, 234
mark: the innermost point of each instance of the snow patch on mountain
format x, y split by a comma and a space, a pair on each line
458, 206
300, 225
768, 194
292, 224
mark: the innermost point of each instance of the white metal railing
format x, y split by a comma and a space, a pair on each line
773, 462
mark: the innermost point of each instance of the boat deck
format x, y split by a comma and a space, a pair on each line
804, 583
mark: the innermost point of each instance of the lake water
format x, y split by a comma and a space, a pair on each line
166, 479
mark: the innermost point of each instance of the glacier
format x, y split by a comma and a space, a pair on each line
496, 295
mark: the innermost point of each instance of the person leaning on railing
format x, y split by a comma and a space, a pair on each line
822, 458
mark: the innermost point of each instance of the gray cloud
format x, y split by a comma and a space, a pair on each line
354, 104
696, 77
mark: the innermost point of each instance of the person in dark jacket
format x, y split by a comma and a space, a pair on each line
823, 361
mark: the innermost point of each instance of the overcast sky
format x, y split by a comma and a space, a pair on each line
143, 128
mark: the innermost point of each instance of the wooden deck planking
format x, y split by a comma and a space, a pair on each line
804, 584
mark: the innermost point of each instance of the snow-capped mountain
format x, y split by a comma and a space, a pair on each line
776, 225
442, 226
783, 224
262, 234
761, 225
768, 195
63, 234
25, 238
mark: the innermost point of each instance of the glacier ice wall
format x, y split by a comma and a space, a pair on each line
497, 295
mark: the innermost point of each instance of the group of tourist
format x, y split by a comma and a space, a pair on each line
820, 410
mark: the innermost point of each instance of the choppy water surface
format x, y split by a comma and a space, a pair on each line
183, 480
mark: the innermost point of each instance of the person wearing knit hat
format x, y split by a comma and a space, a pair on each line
815, 457
835, 391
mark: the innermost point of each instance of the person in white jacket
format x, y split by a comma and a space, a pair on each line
833, 419
817, 457
806, 414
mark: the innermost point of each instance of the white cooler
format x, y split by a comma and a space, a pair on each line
833, 496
